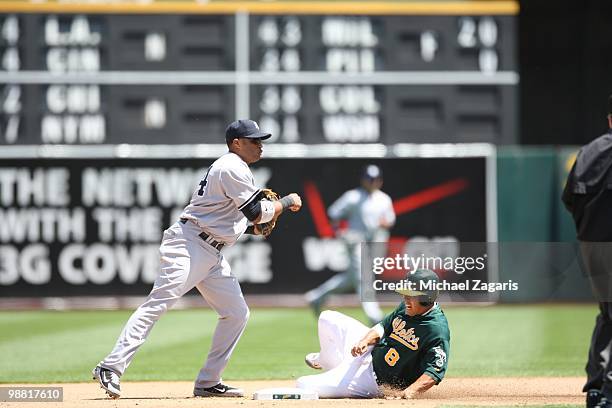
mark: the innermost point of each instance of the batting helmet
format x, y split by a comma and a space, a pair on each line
422, 283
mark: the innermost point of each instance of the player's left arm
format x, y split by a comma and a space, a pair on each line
422, 384
567, 197
434, 363
388, 218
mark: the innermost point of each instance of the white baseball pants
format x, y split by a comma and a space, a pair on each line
187, 262
347, 376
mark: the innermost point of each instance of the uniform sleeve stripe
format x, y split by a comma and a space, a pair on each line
249, 200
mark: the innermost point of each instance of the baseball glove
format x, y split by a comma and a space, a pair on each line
266, 228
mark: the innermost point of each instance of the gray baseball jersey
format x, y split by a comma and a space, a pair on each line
187, 261
216, 204
364, 211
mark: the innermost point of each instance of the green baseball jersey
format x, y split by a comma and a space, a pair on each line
412, 346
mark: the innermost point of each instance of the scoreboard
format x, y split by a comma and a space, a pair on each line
108, 106
176, 72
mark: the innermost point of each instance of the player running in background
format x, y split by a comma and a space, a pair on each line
222, 206
369, 213
405, 354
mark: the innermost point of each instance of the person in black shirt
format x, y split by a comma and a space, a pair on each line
588, 197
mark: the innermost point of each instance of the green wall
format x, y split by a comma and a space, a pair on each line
536, 233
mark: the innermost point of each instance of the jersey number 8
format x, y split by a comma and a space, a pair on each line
392, 357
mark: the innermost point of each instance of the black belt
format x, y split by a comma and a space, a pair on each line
207, 238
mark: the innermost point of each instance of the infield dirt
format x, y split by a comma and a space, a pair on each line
517, 391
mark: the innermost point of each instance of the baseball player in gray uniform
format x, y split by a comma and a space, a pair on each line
223, 206
370, 215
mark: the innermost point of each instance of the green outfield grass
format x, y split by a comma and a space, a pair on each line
44, 346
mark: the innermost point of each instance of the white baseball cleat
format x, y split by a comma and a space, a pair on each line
312, 361
109, 381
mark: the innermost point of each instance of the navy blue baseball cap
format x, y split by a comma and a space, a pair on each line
371, 172
245, 128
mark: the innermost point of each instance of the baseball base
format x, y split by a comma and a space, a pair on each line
284, 393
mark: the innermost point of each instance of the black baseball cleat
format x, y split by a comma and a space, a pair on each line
592, 398
109, 381
604, 403
219, 390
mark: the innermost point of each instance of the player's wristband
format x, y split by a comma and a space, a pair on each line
267, 211
286, 202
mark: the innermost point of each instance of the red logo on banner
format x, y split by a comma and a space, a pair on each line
404, 205
401, 206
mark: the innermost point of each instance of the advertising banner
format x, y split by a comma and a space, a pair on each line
73, 227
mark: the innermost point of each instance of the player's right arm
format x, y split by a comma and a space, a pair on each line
377, 332
340, 208
371, 338
240, 187
262, 211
